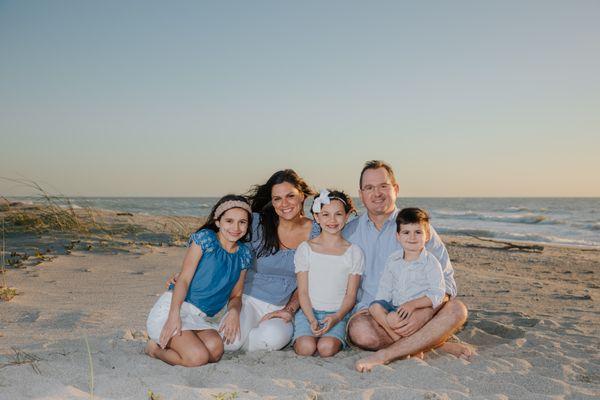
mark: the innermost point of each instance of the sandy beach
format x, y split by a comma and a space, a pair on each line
534, 319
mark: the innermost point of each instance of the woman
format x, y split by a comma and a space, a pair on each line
269, 300
279, 225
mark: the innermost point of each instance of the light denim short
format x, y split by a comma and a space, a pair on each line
302, 326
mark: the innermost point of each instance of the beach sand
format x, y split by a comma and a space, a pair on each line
534, 319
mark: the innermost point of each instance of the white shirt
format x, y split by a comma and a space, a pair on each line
404, 281
328, 274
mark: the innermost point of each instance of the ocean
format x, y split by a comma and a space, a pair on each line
568, 221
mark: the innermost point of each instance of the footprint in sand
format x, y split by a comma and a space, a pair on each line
527, 322
499, 329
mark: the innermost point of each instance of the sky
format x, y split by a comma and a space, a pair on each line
194, 98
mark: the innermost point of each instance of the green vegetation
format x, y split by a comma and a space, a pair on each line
6, 292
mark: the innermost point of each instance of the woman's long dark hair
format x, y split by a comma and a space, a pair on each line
211, 221
260, 201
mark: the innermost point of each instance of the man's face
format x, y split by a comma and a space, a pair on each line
378, 193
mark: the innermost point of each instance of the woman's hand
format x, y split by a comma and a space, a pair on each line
172, 279
171, 328
230, 326
284, 314
328, 323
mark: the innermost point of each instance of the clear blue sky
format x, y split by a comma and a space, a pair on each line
196, 98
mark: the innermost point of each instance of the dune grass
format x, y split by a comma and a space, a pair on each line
55, 212
6, 292
91, 371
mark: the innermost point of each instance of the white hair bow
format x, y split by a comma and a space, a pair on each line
319, 201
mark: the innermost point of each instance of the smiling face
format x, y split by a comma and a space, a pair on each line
413, 237
332, 217
377, 192
233, 224
287, 201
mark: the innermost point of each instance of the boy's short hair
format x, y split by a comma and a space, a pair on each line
376, 164
412, 215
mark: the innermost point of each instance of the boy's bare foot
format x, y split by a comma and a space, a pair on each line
459, 350
151, 348
366, 364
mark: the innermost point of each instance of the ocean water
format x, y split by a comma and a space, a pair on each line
569, 221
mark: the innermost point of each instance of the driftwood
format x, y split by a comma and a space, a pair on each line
534, 248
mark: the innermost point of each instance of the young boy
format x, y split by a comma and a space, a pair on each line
412, 277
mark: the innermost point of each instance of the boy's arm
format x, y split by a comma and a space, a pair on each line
436, 290
379, 314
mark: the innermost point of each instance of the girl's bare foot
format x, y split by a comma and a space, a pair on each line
459, 350
151, 348
366, 364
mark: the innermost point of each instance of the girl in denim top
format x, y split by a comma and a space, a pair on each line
212, 275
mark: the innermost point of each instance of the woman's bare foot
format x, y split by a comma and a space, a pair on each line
459, 350
366, 364
152, 348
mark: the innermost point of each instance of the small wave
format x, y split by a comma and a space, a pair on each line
592, 227
519, 237
515, 219
517, 209
466, 232
205, 205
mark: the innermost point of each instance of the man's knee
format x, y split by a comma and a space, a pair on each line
362, 335
457, 310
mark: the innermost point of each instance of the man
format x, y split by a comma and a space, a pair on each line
375, 233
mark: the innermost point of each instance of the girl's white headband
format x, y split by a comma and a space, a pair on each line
324, 199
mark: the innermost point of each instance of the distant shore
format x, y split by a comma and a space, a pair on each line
534, 318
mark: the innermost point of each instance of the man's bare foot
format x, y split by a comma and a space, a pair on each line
152, 348
459, 350
366, 364
419, 355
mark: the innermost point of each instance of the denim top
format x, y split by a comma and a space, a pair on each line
378, 245
217, 272
272, 278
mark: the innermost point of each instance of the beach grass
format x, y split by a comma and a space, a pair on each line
21, 357
55, 213
6, 292
91, 365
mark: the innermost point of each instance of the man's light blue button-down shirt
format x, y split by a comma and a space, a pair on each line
378, 245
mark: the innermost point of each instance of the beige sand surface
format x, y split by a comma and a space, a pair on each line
534, 318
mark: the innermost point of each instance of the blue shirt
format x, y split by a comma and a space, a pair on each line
378, 245
272, 278
217, 272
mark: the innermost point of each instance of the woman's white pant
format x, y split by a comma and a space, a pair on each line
272, 334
